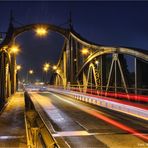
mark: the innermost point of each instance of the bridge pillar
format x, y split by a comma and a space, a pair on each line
84, 82
8, 83
65, 70
13, 73
3, 77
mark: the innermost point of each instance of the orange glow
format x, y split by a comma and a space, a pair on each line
46, 65
14, 49
96, 62
45, 69
41, 31
31, 72
85, 51
18, 67
54, 67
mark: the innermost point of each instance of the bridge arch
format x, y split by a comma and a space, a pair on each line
13, 32
62, 31
111, 50
58, 80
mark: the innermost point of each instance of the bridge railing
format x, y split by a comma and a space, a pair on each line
138, 95
129, 108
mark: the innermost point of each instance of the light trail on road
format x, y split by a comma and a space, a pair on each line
76, 121
109, 120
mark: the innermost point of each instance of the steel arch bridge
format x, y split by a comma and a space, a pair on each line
104, 69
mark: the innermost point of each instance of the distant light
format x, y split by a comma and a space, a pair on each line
54, 67
85, 51
18, 67
45, 69
14, 49
31, 72
47, 65
96, 62
41, 31
75, 60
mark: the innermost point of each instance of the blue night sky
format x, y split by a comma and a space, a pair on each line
107, 23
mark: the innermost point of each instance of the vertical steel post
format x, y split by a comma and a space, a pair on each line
101, 74
122, 76
135, 64
115, 76
13, 72
77, 58
65, 69
109, 77
71, 60
91, 78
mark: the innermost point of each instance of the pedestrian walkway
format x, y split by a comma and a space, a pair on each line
12, 124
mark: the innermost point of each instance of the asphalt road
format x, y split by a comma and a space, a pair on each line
83, 125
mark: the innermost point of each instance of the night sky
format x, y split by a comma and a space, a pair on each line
108, 23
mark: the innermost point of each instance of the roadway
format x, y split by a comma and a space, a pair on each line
83, 125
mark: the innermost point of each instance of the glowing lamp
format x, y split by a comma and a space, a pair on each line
14, 49
85, 51
18, 67
41, 31
54, 67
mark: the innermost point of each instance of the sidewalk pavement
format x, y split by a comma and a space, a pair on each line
12, 124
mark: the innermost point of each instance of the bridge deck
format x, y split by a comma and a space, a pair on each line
12, 125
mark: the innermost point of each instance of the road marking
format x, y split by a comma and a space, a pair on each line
71, 133
115, 123
82, 125
11, 137
82, 133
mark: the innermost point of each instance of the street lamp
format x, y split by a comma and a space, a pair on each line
84, 51
96, 62
41, 31
14, 49
45, 69
47, 65
54, 67
18, 67
31, 72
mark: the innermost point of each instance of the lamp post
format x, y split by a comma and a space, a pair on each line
30, 72
45, 69
14, 50
18, 68
84, 52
